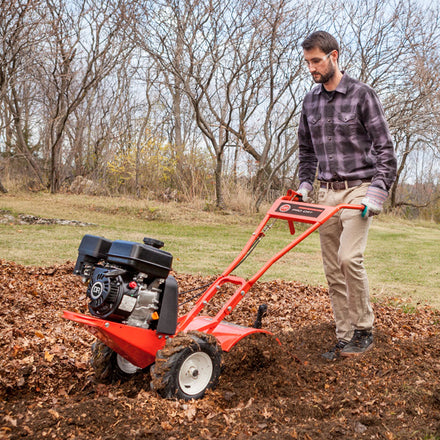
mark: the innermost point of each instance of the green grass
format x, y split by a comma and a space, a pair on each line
401, 257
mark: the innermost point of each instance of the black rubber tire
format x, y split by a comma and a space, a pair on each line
104, 362
167, 371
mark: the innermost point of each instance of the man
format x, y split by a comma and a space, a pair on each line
343, 132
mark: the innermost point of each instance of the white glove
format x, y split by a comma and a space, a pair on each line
304, 193
373, 201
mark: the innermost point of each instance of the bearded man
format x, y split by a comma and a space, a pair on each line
344, 139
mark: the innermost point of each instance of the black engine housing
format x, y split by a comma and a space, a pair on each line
137, 257
129, 282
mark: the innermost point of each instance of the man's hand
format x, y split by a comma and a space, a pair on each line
304, 190
304, 193
373, 201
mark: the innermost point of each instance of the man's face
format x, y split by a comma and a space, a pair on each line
321, 65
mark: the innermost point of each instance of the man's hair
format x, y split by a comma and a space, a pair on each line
322, 40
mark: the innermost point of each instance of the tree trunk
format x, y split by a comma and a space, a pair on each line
400, 169
220, 203
21, 140
138, 154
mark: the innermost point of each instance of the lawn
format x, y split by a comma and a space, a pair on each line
401, 257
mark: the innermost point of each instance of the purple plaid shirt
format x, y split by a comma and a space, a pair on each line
346, 135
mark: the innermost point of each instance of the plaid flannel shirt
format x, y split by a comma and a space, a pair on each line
346, 135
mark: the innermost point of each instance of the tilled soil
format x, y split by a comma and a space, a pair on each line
265, 391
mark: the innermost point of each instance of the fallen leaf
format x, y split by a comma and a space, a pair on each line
10, 420
54, 413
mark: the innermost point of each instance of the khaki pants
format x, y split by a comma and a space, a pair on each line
343, 241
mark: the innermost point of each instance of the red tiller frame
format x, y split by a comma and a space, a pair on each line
139, 345
288, 208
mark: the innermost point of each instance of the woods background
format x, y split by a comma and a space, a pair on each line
185, 99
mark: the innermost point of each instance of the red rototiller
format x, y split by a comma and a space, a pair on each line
134, 306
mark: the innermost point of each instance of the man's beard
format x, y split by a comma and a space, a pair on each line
322, 78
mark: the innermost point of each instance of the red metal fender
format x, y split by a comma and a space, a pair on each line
137, 345
227, 333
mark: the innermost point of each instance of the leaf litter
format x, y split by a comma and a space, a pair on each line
266, 390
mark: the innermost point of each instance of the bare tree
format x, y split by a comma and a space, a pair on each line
86, 42
94, 124
415, 102
19, 35
270, 84
168, 33
395, 50
73, 91
238, 65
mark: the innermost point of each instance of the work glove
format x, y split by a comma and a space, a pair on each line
304, 190
373, 201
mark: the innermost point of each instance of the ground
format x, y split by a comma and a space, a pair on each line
266, 390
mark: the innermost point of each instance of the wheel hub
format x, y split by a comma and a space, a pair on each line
195, 373
126, 366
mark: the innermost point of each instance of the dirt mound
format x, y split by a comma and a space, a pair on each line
266, 390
